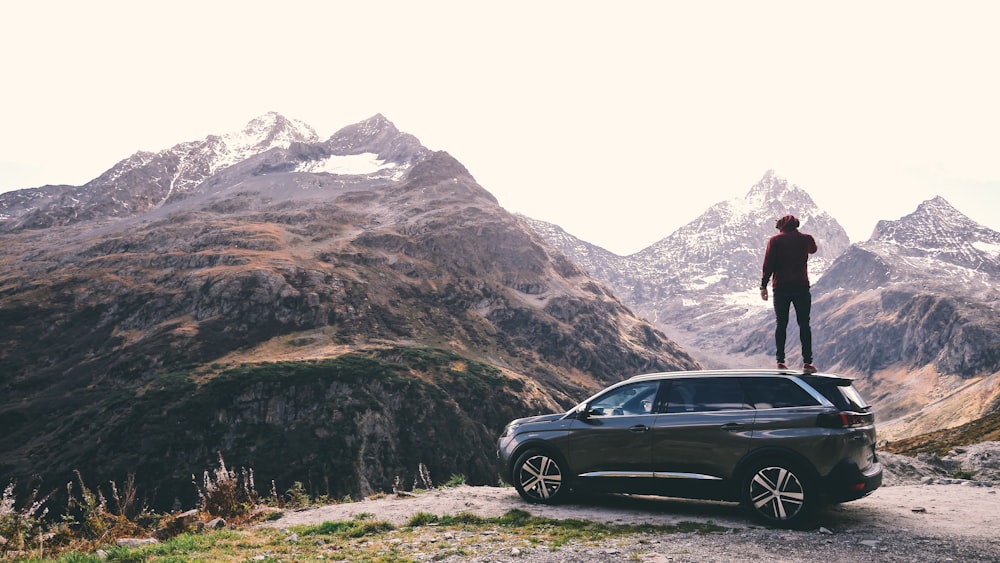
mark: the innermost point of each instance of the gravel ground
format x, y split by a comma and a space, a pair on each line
918, 515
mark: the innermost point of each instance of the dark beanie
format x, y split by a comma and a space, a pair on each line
787, 223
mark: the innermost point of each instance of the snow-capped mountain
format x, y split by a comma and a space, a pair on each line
914, 312
924, 290
705, 274
938, 242
146, 180
720, 252
393, 291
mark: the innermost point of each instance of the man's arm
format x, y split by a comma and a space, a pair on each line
767, 271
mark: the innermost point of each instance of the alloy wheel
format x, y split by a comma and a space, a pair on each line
539, 478
776, 494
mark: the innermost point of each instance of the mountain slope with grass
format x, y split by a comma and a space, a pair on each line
334, 313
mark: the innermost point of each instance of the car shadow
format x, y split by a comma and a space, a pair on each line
650, 509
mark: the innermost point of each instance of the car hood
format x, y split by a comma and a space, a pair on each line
538, 419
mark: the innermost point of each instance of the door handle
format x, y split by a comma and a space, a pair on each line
730, 426
639, 428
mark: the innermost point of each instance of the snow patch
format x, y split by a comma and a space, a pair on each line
352, 164
992, 249
749, 300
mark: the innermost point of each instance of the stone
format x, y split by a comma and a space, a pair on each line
135, 542
216, 523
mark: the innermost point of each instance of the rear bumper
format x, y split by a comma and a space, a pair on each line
848, 482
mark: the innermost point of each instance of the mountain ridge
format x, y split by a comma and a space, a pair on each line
911, 312
699, 279
269, 309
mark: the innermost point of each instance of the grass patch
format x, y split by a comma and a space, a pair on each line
345, 528
425, 537
557, 532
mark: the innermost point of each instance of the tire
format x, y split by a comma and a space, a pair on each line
539, 477
779, 493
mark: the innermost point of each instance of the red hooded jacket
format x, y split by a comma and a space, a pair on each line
786, 257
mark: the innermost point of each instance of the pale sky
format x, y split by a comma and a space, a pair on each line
619, 121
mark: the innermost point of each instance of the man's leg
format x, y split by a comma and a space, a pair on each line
803, 305
781, 303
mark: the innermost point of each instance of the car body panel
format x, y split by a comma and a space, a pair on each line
610, 444
686, 445
701, 443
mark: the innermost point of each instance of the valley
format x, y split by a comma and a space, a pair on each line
338, 312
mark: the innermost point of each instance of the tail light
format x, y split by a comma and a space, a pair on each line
846, 419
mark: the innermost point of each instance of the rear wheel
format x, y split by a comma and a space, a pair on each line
538, 477
779, 493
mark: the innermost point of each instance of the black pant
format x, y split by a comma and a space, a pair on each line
802, 300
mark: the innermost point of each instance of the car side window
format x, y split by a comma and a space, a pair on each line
633, 399
776, 393
708, 394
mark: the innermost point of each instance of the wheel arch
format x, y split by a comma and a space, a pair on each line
774, 453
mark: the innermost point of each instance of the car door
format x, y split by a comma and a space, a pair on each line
704, 431
613, 439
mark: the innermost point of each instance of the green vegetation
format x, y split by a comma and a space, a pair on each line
555, 532
363, 539
299, 424
963, 474
305, 460
91, 528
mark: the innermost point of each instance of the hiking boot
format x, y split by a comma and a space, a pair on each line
781, 365
809, 368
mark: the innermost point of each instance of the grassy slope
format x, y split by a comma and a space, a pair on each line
985, 429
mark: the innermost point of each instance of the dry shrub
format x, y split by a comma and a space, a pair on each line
89, 518
227, 493
21, 527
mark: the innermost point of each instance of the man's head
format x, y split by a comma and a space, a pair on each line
787, 223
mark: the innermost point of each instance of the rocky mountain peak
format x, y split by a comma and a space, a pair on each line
742, 225
264, 261
375, 135
933, 220
273, 129
147, 180
938, 231
776, 195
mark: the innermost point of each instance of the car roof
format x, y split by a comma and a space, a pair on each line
736, 373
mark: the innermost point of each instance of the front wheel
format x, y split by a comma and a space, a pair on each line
538, 478
779, 494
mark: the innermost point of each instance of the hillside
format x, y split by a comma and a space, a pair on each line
940, 442
911, 313
332, 312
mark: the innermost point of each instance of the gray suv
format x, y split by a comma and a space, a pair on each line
782, 443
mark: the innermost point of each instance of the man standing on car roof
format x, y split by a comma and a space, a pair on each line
785, 259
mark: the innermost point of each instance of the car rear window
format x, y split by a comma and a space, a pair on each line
776, 393
840, 392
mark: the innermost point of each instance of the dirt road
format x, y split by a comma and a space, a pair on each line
897, 523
